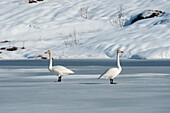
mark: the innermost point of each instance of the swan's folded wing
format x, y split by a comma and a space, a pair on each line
63, 70
108, 74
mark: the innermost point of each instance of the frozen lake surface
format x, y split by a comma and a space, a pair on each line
26, 86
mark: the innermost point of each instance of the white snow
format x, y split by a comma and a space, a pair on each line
46, 25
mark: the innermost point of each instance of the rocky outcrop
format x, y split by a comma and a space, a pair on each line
34, 1
146, 14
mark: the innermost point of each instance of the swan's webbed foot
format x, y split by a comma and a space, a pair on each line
111, 81
59, 79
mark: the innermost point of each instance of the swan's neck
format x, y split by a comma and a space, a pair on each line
50, 65
118, 61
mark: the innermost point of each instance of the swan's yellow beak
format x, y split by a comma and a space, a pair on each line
46, 52
121, 51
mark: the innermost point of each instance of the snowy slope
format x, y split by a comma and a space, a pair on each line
51, 23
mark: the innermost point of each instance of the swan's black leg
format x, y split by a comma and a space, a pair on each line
111, 81
59, 79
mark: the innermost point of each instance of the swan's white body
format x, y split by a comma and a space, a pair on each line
58, 70
112, 72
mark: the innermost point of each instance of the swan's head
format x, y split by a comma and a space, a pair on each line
119, 51
48, 52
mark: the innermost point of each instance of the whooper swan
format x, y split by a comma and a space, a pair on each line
112, 72
58, 70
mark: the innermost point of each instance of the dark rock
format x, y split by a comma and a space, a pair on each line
147, 14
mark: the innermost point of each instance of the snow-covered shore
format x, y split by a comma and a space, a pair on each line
56, 25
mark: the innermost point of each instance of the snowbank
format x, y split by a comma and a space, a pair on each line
49, 24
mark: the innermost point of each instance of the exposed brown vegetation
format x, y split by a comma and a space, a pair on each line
42, 57
32, 1
12, 49
22, 47
39, 56
2, 48
4, 41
